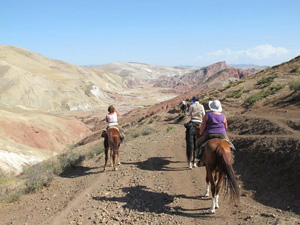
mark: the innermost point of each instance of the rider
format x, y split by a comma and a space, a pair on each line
214, 125
182, 106
196, 112
112, 120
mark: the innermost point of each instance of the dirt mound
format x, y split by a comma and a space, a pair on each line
256, 126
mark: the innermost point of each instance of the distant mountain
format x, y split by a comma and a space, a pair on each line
217, 74
134, 73
249, 67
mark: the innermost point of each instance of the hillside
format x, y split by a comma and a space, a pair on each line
135, 73
154, 185
33, 81
214, 75
44, 103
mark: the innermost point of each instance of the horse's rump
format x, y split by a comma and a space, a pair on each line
222, 151
113, 138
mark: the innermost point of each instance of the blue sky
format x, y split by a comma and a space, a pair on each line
164, 32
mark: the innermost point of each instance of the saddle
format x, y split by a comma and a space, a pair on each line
108, 128
113, 127
200, 149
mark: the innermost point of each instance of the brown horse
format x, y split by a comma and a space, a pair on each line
216, 157
112, 141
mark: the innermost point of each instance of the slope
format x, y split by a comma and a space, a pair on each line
34, 81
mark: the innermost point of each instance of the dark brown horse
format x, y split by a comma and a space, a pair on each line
112, 141
216, 157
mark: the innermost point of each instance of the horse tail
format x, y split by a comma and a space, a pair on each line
225, 167
113, 143
189, 142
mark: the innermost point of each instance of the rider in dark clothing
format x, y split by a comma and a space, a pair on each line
196, 112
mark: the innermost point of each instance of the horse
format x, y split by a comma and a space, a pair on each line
216, 157
112, 141
182, 107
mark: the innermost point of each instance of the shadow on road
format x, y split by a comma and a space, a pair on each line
80, 171
156, 164
143, 199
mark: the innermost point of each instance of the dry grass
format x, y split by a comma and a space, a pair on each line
41, 175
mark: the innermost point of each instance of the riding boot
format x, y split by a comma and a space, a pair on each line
200, 162
103, 133
122, 136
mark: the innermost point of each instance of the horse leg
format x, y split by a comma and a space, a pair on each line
114, 156
111, 157
206, 194
118, 156
106, 158
213, 192
218, 188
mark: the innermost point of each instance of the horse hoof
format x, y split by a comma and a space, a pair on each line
212, 211
119, 163
194, 165
115, 169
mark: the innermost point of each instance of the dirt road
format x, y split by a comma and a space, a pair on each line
153, 185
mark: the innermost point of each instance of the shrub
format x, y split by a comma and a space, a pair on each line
170, 128
67, 161
148, 130
295, 70
274, 67
95, 151
228, 86
151, 121
135, 134
263, 94
295, 85
255, 97
235, 94
276, 88
41, 174
265, 81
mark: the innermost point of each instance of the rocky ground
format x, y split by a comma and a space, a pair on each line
153, 185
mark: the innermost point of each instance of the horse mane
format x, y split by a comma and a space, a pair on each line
225, 167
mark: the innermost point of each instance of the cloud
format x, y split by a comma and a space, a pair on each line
261, 55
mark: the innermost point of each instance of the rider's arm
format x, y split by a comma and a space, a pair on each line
225, 122
203, 125
106, 119
203, 111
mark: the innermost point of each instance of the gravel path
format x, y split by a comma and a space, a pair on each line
152, 186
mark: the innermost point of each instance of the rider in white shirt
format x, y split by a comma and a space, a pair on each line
112, 119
